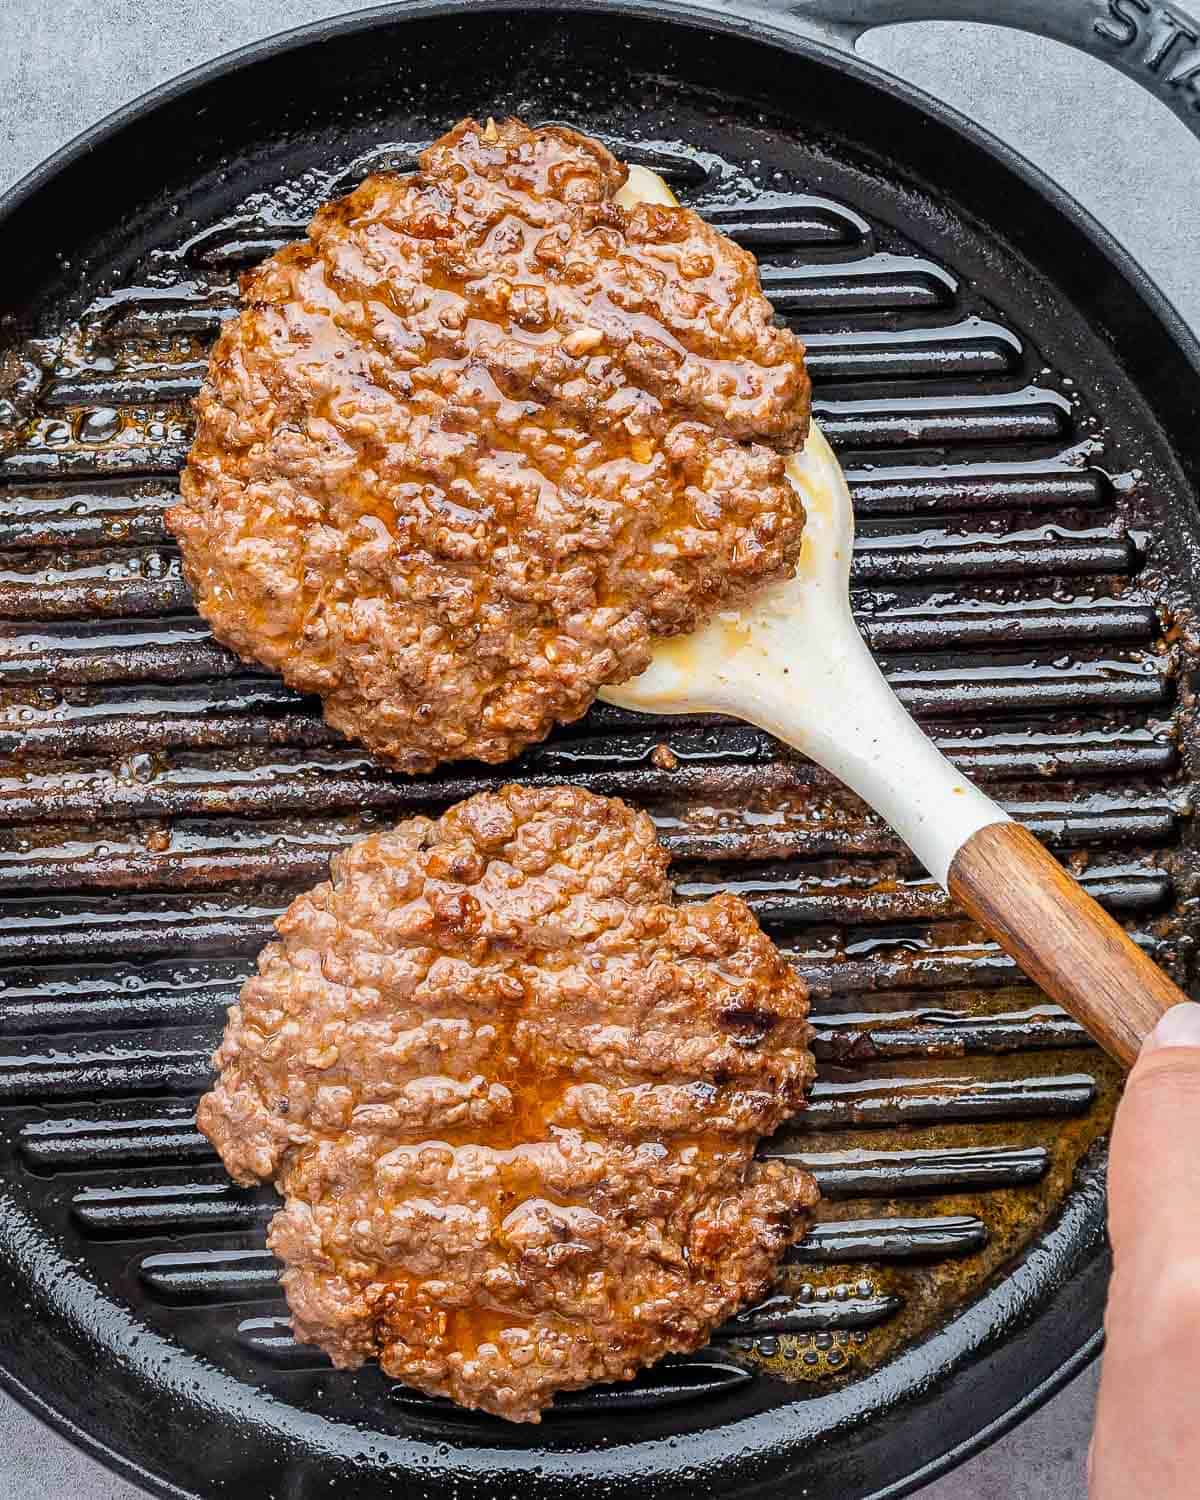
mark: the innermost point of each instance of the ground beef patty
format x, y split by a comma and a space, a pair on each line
511, 1095
481, 436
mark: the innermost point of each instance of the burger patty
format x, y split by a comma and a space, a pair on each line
483, 435
511, 1095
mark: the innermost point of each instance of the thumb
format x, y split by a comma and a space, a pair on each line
1154, 1164
1147, 1441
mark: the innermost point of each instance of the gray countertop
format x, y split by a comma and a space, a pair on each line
66, 64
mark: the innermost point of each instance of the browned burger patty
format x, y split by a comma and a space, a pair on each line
511, 1095
480, 437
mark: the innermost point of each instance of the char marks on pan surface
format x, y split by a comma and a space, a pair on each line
511, 1094
480, 437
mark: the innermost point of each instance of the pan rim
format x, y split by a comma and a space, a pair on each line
765, 29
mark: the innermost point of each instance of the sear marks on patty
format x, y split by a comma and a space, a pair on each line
511, 1095
483, 435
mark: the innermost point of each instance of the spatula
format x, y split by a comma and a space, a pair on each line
791, 660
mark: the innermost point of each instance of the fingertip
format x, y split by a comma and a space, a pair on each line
1178, 1027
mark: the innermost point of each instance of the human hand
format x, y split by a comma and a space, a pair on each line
1147, 1437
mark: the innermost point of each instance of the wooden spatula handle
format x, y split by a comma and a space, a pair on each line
1045, 920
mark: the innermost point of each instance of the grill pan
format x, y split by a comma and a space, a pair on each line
1019, 414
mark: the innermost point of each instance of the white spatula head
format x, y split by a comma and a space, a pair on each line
790, 659
734, 663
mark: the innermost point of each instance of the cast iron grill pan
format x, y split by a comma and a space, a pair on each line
1022, 569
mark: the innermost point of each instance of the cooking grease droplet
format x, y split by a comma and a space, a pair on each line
99, 425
